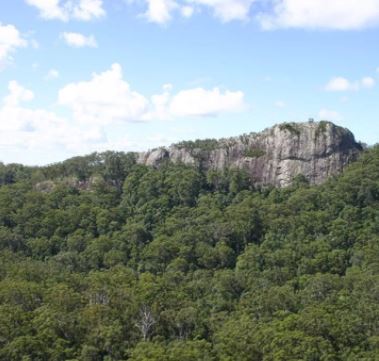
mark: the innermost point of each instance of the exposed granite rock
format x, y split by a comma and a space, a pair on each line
274, 156
49, 186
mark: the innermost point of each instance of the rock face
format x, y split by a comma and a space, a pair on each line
274, 156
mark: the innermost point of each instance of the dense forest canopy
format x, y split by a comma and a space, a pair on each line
105, 259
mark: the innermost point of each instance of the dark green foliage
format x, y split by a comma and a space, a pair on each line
110, 260
201, 144
322, 127
254, 153
200, 149
293, 128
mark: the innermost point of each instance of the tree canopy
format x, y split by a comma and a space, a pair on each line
105, 259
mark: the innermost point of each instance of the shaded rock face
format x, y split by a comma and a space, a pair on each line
274, 156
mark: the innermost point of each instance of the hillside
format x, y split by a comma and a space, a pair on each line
104, 258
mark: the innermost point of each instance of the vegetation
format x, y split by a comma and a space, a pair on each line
254, 153
175, 264
200, 144
293, 128
322, 128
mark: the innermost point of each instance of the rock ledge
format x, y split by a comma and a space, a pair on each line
275, 156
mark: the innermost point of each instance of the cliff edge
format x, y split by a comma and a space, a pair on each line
275, 156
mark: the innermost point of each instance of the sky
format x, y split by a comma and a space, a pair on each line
78, 76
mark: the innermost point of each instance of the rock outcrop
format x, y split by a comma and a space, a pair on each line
274, 156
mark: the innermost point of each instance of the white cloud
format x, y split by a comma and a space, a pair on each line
159, 11
227, 10
341, 84
274, 14
202, 102
17, 94
95, 107
338, 84
368, 82
25, 127
88, 9
104, 99
187, 11
107, 98
271, 14
66, 10
49, 9
280, 104
52, 74
322, 14
10, 40
159, 103
162, 11
78, 40
331, 115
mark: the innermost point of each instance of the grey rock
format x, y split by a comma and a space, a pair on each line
275, 156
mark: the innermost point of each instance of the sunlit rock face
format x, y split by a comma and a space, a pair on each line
275, 156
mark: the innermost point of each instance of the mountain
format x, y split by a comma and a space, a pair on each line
274, 156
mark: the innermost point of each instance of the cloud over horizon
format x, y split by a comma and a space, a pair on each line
34, 128
96, 104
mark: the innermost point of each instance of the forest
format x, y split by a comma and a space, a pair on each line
102, 258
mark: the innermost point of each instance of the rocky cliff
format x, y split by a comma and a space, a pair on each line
274, 156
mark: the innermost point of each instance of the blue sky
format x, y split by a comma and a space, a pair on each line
78, 76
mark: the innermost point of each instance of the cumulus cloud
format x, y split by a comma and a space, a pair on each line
321, 14
104, 99
203, 102
93, 108
17, 94
107, 97
25, 127
78, 40
273, 14
368, 82
66, 10
187, 11
162, 11
341, 84
52, 74
331, 115
10, 40
227, 10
